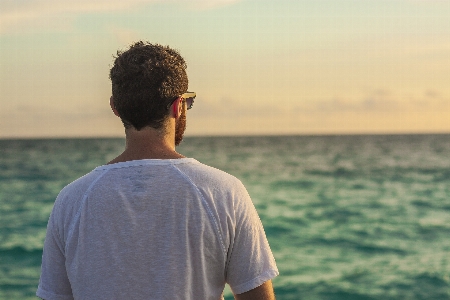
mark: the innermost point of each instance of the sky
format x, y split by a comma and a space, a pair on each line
259, 67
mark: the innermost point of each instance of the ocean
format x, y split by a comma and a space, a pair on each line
347, 217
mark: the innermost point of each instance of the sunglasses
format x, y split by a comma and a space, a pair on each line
188, 97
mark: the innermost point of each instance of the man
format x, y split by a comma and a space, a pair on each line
153, 224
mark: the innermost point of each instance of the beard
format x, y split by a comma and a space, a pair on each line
180, 127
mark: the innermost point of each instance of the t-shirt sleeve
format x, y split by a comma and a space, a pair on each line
250, 261
54, 283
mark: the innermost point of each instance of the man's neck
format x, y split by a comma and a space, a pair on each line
148, 143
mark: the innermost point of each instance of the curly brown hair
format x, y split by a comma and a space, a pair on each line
145, 79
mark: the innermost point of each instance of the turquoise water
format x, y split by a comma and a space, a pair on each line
347, 217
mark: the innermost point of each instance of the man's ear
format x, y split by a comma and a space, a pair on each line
177, 108
113, 107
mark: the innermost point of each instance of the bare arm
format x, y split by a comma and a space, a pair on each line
262, 292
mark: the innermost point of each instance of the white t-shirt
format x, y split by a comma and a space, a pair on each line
154, 229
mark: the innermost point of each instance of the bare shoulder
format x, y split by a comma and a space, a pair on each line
262, 292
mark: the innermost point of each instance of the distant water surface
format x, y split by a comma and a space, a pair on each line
347, 217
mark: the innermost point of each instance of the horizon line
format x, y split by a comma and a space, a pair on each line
325, 134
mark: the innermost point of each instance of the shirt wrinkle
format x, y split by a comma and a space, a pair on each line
80, 208
208, 209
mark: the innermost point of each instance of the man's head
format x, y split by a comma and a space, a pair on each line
145, 80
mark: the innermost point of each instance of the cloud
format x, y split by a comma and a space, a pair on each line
230, 107
376, 100
16, 14
204, 4
381, 101
123, 36
32, 120
426, 1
